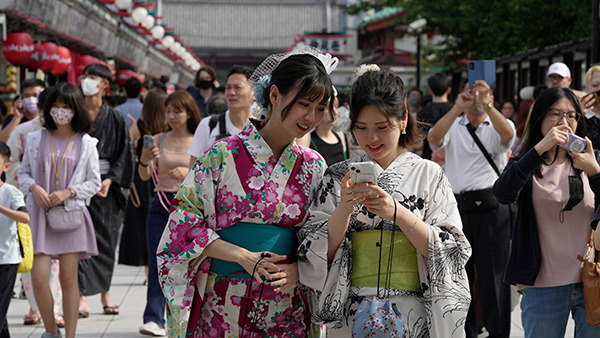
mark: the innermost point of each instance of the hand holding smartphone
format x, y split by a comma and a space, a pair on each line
481, 70
363, 172
148, 141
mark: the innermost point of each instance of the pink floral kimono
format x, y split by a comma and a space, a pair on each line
237, 181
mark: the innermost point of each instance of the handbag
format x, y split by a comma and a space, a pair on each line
61, 220
591, 285
476, 200
378, 316
25, 246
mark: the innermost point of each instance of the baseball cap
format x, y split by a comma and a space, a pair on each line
560, 69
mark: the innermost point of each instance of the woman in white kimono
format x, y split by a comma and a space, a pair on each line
338, 253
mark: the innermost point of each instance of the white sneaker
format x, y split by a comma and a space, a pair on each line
152, 329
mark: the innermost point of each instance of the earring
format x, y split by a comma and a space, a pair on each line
403, 131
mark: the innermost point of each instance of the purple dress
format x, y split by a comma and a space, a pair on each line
45, 241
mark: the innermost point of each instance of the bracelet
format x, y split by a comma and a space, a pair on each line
413, 225
142, 164
72, 191
31, 187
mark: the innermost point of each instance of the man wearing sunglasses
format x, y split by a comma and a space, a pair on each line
559, 75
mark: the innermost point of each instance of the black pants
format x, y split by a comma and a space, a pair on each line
8, 274
489, 235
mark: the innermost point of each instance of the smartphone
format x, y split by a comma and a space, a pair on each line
481, 70
596, 96
148, 141
363, 172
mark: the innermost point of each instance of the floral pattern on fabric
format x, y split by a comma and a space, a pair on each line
440, 309
237, 180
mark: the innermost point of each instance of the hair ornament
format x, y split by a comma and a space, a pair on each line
260, 87
364, 68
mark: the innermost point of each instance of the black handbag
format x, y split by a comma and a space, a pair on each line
476, 200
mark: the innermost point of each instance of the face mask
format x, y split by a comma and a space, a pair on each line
61, 116
204, 84
30, 104
90, 87
413, 100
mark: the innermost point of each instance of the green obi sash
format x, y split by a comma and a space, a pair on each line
365, 260
255, 238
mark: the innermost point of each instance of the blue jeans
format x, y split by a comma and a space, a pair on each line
545, 312
155, 225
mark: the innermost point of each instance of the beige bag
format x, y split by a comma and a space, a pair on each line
61, 220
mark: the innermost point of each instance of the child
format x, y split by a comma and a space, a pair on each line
12, 208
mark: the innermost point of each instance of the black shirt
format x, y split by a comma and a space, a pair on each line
333, 153
430, 114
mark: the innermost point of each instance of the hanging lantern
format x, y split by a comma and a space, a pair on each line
157, 32
35, 62
123, 4
167, 41
64, 61
175, 47
17, 48
123, 75
49, 56
82, 62
139, 14
148, 22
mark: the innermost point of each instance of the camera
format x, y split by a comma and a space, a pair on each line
575, 144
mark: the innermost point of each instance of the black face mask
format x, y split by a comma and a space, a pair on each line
204, 84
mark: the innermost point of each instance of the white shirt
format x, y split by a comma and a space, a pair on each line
203, 141
466, 166
11, 198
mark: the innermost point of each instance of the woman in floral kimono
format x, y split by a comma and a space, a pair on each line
339, 254
227, 257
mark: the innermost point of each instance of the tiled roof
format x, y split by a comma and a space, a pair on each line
380, 15
239, 26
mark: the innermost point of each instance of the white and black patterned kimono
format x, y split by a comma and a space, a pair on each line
440, 309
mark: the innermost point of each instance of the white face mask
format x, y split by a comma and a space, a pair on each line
90, 87
61, 116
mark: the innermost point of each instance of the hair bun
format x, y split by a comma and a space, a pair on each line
366, 68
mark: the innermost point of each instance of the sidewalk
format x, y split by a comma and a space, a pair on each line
129, 293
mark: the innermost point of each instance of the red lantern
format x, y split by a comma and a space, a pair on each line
49, 57
36, 57
64, 61
18, 48
122, 76
82, 62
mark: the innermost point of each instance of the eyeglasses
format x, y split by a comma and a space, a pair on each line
554, 77
556, 114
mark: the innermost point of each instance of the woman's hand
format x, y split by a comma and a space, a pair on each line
179, 173
586, 161
149, 154
285, 276
41, 197
267, 263
58, 197
555, 136
351, 194
106, 183
380, 203
587, 101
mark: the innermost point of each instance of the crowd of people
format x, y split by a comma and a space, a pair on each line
246, 207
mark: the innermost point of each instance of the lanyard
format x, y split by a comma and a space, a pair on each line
57, 170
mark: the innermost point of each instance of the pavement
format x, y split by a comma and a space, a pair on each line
129, 292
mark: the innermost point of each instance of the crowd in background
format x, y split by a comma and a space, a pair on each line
512, 205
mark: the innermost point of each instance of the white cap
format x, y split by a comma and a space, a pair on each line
526, 93
560, 69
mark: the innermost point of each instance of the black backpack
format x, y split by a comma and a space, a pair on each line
212, 123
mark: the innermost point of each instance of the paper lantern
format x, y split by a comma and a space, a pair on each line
175, 47
35, 62
82, 62
139, 14
49, 56
122, 76
148, 22
123, 4
158, 32
168, 41
17, 48
64, 61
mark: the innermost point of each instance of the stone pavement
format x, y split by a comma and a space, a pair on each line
129, 292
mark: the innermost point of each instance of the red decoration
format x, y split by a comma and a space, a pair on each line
49, 56
18, 48
64, 61
81, 62
36, 57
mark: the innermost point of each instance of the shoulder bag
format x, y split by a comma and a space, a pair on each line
25, 246
591, 284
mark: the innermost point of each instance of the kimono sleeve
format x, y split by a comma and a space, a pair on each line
443, 276
190, 228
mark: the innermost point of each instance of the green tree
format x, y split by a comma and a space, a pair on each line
485, 29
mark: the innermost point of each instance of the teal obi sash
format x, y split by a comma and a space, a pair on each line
255, 238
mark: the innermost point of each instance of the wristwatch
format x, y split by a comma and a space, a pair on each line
72, 191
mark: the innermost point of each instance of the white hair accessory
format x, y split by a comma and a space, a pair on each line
366, 68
